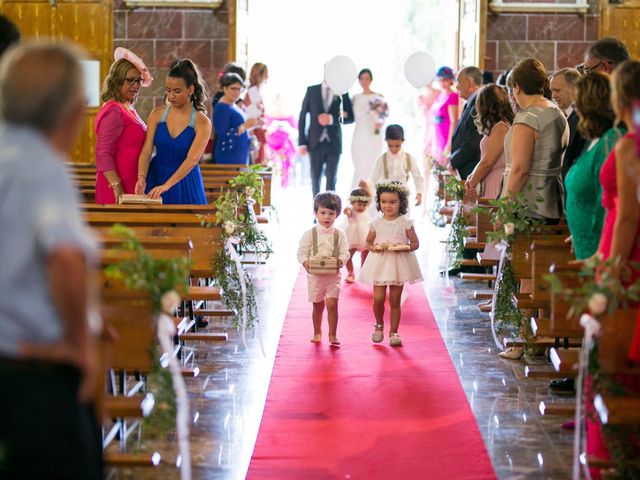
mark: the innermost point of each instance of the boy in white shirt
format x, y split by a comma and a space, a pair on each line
396, 164
324, 240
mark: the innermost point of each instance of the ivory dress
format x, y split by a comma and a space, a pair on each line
357, 228
366, 145
389, 267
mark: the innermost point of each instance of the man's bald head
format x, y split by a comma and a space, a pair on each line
41, 85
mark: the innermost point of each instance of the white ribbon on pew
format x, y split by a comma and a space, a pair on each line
229, 247
252, 213
166, 331
591, 330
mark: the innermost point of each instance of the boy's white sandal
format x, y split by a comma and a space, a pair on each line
394, 340
378, 334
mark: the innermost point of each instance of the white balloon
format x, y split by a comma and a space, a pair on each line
420, 69
340, 73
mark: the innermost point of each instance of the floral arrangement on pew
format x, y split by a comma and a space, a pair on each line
511, 218
161, 279
240, 234
454, 249
603, 288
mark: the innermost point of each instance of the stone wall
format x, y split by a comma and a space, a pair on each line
558, 40
161, 35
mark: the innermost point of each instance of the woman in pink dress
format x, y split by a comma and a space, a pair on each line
494, 118
443, 116
621, 231
120, 131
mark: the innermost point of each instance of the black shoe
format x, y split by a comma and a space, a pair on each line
564, 385
201, 322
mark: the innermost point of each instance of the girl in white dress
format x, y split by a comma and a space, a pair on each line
391, 263
366, 144
357, 225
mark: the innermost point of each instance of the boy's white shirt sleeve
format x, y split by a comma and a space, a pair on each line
376, 174
304, 250
415, 173
343, 246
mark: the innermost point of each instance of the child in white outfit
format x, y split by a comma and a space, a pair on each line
396, 164
324, 240
357, 225
391, 261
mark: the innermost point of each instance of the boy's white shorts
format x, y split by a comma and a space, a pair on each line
323, 286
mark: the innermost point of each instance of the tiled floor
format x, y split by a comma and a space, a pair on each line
228, 396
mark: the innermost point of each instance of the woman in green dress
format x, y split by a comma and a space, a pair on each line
585, 214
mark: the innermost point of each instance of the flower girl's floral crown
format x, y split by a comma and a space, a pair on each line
360, 198
392, 186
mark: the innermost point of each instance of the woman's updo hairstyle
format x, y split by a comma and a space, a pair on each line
626, 85
189, 72
229, 79
530, 75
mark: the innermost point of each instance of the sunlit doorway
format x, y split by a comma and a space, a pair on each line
296, 37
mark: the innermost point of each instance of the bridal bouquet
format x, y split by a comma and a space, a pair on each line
379, 110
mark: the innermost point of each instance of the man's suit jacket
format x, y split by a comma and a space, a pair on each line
309, 131
576, 144
465, 143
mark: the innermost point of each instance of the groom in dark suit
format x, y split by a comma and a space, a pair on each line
321, 133
465, 143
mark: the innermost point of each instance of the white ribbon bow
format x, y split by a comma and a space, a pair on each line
166, 331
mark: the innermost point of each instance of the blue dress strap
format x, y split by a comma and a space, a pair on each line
164, 115
192, 120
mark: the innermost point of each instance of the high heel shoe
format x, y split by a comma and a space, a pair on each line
512, 353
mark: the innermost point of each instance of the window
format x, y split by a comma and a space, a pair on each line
559, 6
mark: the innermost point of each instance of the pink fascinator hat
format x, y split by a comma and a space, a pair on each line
127, 54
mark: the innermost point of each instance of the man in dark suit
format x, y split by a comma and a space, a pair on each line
562, 83
465, 143
321, 133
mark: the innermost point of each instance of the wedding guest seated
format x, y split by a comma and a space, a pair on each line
231, 124
48, 427
562, 85
604, 55
493, 120
119, 130
179, 132
465, 143
535, 145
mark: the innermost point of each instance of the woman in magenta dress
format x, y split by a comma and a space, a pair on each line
119, 130
621, 231
443, 116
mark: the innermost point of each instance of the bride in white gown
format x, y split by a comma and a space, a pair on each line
366, 145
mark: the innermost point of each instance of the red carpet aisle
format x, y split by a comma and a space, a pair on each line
365, 411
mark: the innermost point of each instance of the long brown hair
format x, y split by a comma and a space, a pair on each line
626, 85
492, 106
257, 72
593, 105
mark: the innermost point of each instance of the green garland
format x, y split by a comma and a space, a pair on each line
156, 277
455, 241
232, 213
508, 318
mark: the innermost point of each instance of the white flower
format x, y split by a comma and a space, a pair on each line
509, 228
169, 302
229, 227
597, 303
250, 191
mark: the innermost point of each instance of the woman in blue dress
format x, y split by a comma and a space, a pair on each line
179, 132
231, 123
